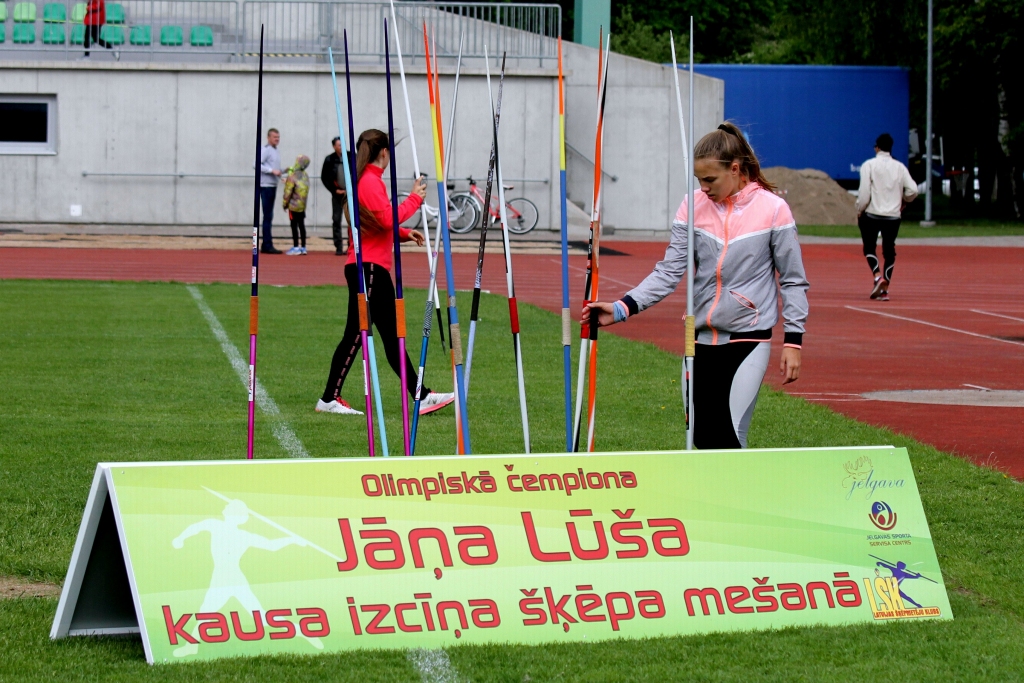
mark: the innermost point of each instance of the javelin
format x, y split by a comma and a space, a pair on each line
274, 524
474, 315
513, 308
462, 419
254, 299
357, 244
396, 232
566, 315
354, 199
689, 347
431, 256
919, 575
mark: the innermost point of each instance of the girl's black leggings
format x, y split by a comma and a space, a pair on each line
381, 297
298, 221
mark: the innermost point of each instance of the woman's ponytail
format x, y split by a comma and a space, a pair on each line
368, 148
728, 144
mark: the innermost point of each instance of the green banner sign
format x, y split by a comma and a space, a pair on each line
229, 558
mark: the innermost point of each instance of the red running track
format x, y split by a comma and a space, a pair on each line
939, 331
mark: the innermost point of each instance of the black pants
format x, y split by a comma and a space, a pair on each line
298, 221
726, 379
267, 195
92, 35
338, 202
869, 229
381, 296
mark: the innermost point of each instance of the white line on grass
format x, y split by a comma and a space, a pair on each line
941, 327
433, 665
287, 438
997, 315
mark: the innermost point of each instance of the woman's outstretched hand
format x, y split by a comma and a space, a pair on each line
415, 236
790, 365
605, 313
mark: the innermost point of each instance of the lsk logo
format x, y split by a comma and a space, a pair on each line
882, 515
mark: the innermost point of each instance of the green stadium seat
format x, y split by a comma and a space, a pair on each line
25, 12
140, 35
54, 13
78, 13
115, 13
78, 34
171, 35
24, 34
201, 36
3, 33
112, 34
3, 11
53, 34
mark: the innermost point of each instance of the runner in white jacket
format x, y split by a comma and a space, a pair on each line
743, 234
885, 188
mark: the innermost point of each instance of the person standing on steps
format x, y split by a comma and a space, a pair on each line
270, 172
377, 245
333, 177
744, 238
885, 189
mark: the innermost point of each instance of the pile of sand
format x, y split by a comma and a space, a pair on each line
813, 196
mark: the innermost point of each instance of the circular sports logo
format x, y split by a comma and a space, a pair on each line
882, 515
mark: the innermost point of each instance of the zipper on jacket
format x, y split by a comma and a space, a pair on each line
718, 272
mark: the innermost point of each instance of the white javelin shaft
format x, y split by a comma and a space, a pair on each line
682, 127
277, 526
509, 281
451, 119
690, 215
415, 158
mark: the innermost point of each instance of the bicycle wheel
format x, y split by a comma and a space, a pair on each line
415, 221
522, 215
463, 214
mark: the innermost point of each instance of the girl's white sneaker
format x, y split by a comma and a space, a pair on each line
338, 406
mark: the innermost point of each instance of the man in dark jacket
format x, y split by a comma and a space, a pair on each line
332, 175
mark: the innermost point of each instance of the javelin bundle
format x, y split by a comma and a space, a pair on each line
588, 337
461, 419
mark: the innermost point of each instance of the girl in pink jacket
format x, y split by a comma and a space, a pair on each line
744, 234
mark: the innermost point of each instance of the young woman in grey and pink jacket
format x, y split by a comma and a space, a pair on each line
743, 235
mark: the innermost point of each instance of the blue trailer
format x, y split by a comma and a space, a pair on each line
823, 117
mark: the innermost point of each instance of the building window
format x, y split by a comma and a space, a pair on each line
28, 124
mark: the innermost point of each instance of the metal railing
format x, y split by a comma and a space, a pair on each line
301, 29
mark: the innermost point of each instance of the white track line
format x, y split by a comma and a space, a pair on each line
997, 315
433, 665
941, 327
288, 439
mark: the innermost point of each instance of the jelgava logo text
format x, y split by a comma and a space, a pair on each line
861, 476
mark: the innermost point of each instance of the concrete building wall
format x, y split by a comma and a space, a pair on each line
200, 119
642, 146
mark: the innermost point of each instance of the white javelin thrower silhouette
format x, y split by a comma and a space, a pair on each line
227, 545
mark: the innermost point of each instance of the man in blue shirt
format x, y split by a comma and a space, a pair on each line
270, 172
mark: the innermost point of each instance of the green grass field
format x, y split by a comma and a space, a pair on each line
911, 229
131, 371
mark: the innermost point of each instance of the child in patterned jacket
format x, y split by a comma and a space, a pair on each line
296, 191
